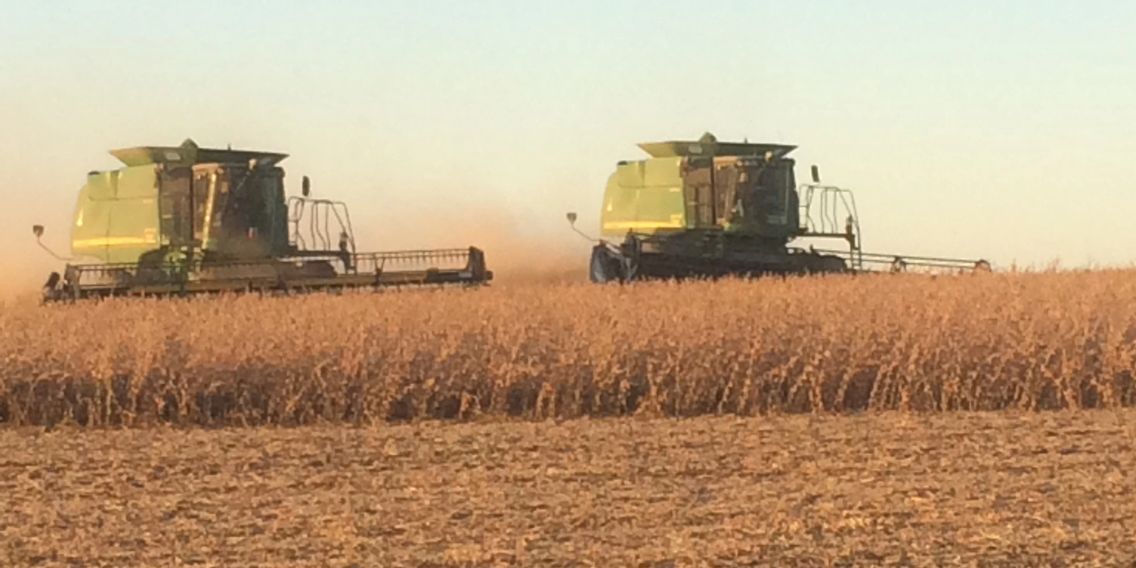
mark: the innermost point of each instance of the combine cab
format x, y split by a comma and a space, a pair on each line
184, 220
707, 208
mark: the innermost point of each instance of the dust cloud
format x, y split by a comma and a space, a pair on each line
516, 252
22, 273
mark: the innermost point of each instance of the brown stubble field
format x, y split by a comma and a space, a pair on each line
898, 420
970, 489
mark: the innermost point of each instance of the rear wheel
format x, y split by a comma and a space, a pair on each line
825, 264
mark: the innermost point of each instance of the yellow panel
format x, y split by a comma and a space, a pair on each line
663, 172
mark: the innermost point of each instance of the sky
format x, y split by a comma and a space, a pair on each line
977, 129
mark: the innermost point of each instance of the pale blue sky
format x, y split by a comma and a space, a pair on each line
997, 129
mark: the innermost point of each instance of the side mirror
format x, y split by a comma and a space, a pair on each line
571, 216
306, 186
38, 230
816, 173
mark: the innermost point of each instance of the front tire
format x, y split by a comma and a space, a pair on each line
604, 266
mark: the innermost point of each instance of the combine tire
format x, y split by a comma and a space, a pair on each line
826, 264
604, 266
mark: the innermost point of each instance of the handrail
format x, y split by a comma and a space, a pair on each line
834, 202
319, 229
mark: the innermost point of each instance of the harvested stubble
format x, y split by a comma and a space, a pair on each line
835, 344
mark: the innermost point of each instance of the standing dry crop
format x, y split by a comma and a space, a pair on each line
832, 344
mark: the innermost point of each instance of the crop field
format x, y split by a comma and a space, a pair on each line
909, 420
1040, 341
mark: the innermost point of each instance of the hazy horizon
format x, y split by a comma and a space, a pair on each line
976, 129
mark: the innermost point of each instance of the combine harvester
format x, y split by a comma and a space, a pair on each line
707, 209
186, 220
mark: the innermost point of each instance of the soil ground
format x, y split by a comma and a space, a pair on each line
969, 489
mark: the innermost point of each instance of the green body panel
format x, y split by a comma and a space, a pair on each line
116, 218
738, 188
167, 201
644, 197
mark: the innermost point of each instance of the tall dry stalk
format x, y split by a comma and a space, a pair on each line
833, 344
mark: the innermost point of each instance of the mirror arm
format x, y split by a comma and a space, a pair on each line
38, 231
572, 222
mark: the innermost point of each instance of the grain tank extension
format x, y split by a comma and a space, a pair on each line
182, 220
707, 208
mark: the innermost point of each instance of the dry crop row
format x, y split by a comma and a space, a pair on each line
834, 344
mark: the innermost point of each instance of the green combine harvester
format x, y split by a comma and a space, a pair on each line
707, 209
186, 220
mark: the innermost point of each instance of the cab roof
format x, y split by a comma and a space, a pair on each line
708, 145
190, 153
